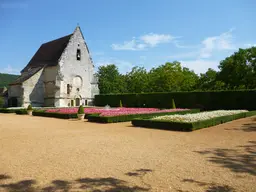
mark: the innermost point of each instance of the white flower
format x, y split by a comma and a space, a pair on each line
199, 116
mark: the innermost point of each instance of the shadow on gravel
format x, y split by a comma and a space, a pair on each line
239, 160
248, 127
210, 187
107, 184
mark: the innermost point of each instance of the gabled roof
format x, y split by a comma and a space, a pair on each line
49, 53
26, 76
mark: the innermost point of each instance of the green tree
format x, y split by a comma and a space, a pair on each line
167, 77
207, 81
239, 70
190, 79
110, 80
137, 80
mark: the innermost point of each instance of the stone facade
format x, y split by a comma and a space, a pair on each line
71, 82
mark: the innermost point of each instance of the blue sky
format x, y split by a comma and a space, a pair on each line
146, 33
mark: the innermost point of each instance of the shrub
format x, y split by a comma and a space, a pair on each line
173, 104
42, 113
211, 100
181, 126
1, 101
4, 110
81, 110
21, 112
29, 108
120, 103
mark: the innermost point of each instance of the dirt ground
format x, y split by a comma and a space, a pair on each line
46, 154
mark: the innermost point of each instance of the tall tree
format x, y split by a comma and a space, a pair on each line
239, 70
137, 80
110, 80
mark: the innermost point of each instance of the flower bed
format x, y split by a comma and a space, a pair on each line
126, 116
190, 122
100, 115
188, 118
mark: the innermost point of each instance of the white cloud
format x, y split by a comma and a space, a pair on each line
153, 39
217, 43
129, 45
249, 45
9, 69
144, 41
209, 47
200, 65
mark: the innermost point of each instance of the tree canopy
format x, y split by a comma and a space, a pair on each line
237, 71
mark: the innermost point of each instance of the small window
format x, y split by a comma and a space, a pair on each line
72, 103
68, 88
78, 54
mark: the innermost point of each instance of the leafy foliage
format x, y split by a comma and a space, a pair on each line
235, 72
29, 108
5, 79
207, 100
81, 110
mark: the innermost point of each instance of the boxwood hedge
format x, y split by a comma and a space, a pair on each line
179, 126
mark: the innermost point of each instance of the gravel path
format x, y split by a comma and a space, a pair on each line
45, 154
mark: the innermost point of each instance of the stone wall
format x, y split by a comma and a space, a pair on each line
50, 87
34, 90
16, 91
77, 74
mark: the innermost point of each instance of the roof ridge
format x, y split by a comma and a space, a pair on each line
57, 39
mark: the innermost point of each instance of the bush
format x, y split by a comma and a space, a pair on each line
42, 113
173, 104
1, 102
4, 110
211, 100
81, 110
179, 126
124, 118
120, 103
21, 112
29, 108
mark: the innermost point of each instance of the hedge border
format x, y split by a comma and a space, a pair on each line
5, 110
42, 113
21, 112
178, 126
124, 118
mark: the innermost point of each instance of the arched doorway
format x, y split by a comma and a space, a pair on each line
77, 101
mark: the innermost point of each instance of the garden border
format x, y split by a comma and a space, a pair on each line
179, 126
124, 118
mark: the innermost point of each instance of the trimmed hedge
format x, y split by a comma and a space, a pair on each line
179, 126
211, 100
4, 110
124, 118
42, 113
21, 112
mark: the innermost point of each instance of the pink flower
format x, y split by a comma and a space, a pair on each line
115, 111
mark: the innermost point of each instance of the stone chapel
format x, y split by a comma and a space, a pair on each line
60, 74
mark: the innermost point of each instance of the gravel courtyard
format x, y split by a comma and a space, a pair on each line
46, 154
